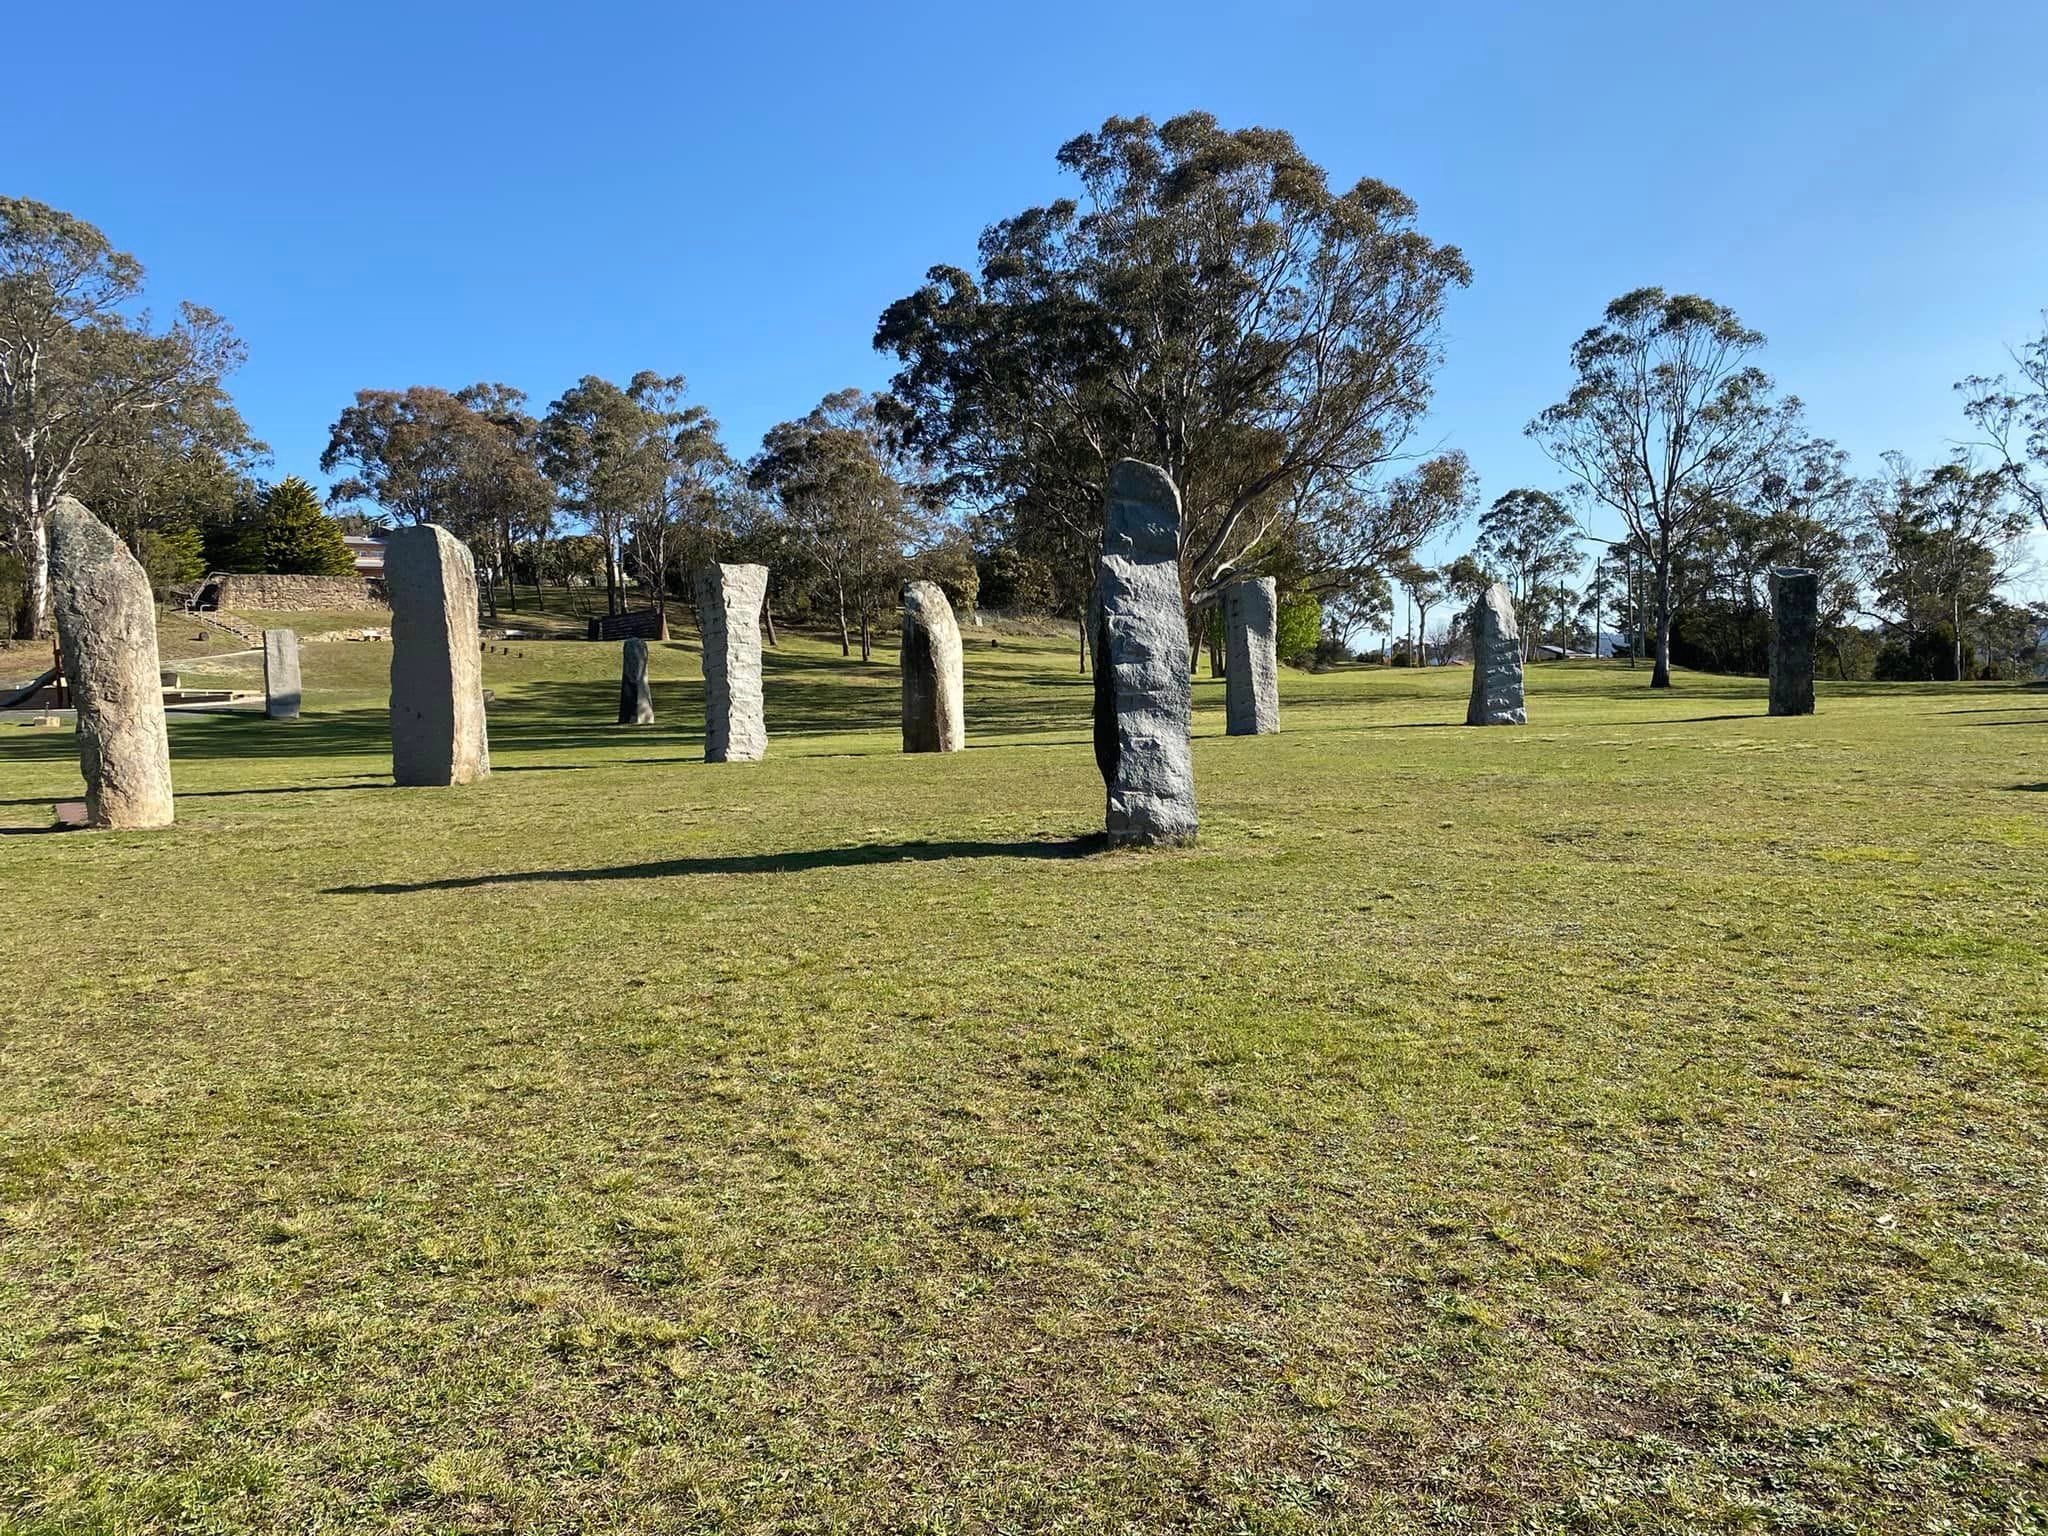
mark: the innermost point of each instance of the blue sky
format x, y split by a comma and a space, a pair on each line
384, 195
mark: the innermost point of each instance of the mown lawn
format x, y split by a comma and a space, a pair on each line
1634, 1122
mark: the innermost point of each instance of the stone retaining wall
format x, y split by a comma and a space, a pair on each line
286, 594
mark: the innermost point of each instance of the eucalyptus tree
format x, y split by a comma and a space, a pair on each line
78, 364
1209, 304
855, 509
2012, 413
601, 447
508, 497
1528, 539
1670, 418
1937, 546
407, 453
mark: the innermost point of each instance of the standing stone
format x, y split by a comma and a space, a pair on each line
636, 699
438, 734
729, 601
281, 691
1795, 621
1496, 661
934, 719
1251, 669
106, 630
1141, 662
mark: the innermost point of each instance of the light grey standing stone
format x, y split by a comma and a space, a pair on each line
438, 734
1795, 622
1251, 670
281, 690
636, 699
1496, 661
106, 630
1141, 662
729, 601
934, 718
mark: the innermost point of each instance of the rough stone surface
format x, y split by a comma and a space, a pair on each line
1251, 669
636, 699
438, 734
281, 689
106, 629
1496, 661
729, 618
1141, 662
934, 718
1795, 621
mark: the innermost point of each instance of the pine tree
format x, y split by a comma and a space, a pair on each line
298, 538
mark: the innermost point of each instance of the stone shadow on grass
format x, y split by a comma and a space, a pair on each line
852, 857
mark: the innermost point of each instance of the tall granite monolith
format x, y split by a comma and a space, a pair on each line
106, 631
438, 735
281, 690
1795, 621
636, 699
1141, 662
934, 718
1251, 670
729, 601
1496, 661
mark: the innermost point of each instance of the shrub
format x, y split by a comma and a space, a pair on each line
1298, 627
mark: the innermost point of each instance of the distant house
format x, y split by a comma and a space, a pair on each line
368, 550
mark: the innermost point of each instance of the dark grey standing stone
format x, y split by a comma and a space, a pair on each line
1251, 672
636, 699
281, 690
1795, 622
438, 735
1141, 662
106, 630
729, 601
934, 717
1496, 661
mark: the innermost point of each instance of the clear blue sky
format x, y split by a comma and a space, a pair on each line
384, 195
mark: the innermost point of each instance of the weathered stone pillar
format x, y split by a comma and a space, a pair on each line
1496, 661
1251, 672
438, 735
1795, 621
636, 699
106, 631
729, 619
1141, 662
934, 717
281, 691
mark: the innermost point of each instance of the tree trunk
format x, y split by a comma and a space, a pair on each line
1081, 629
34, 600
1660, 674
768, 617
845, 644
1955, 619
1217, 663
867, 644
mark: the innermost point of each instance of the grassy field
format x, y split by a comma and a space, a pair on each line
1635, 1122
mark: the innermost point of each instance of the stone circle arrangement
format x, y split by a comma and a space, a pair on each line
1137, 626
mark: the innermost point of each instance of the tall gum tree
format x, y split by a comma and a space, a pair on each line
78, 364
1669, 419
1208, 304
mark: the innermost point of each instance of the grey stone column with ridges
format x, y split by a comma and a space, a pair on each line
1141, 663
281, 688
1496, 661
729, 601
636, 698
934, 718
1251, 668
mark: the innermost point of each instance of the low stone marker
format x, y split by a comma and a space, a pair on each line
281, 674
106, 630
934, 718
1795, 621
1141, 663
1251, 671
636, 699
729, 601
438, 735
1496, 661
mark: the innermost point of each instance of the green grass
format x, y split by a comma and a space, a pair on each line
1633, 1122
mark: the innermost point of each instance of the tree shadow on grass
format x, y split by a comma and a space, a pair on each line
853, 857
2027, 789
